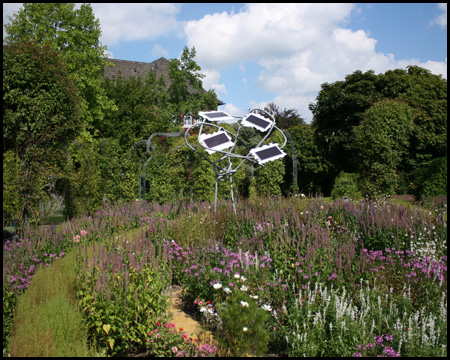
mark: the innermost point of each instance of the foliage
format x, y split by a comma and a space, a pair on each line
313, 168
137, 115
75, 34
243, 324
345, 185
121, 297
185, 93
81, 182
382, 139
284, 119
434, 180
340, 106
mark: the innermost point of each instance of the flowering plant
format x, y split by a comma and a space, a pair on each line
165, 340
373, 349
243, 324
209, 315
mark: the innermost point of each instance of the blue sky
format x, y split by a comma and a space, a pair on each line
253, 54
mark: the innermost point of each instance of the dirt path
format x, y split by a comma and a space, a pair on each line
191, 327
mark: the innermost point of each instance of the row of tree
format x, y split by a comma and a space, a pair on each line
69, 131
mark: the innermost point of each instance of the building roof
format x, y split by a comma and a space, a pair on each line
130, 69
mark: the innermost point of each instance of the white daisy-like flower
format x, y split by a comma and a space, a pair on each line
217, 286
237, 276
243, 288
267, 307
244, 303
243, 278
203, 309
227, 290
254, 297
244, 328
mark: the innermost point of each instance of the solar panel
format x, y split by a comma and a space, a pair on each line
216, 115
216, 141
256, 121
267, 153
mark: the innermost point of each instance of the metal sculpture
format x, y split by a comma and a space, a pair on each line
224, 142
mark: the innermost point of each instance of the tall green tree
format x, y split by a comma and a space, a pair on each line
382, 139
340, 106
185, 93
75, 33
41, 114
137, 116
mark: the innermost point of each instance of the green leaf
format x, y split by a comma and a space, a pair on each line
106, 328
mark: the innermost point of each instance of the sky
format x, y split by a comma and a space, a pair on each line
254, 54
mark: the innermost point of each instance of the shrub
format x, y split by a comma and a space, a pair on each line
243, 325
345, 185
434, 179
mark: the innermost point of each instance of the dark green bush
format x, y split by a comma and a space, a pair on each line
345, 185
434, 179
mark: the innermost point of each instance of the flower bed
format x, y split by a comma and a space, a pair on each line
299, 277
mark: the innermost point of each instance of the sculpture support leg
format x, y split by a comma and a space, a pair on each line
232, 195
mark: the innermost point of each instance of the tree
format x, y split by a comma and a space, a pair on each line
74, 33
313, 168
137, 114
340, 106
382, 139
286, 118
185, 93
41, 114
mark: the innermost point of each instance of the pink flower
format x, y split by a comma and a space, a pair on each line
83, 232
174, 349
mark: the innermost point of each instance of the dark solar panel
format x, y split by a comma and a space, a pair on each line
216, 140
268, 153
216, 114
258, 121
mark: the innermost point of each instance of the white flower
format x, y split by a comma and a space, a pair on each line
243, 278
267, 307
227, 290
254, 297
243, 288
244, 328
203, 309
211, 311
217, 286
237, 276
244, 303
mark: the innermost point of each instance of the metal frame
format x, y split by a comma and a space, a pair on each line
224, 173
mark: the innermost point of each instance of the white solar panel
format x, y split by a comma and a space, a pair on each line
267, 153
216, 116
219, 140
256, 121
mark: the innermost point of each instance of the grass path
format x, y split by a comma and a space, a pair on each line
48, 321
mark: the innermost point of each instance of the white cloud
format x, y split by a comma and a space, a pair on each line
211, 81
298, 46
233, 110
441, 19
130, 22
